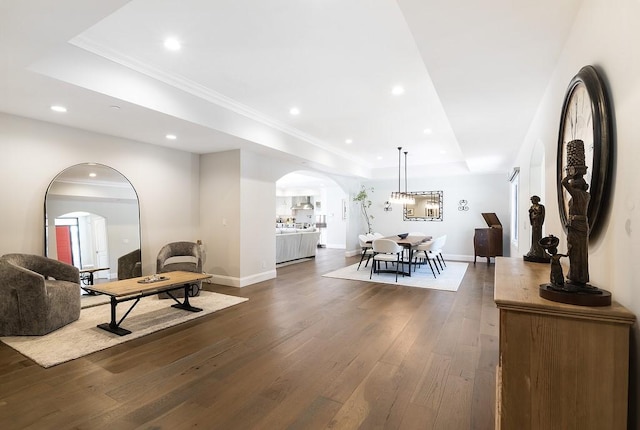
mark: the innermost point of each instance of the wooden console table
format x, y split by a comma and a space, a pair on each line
561, 366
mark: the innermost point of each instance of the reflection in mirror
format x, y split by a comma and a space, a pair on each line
428, 206
92, 218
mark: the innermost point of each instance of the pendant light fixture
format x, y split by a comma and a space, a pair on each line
408, 198
400, 197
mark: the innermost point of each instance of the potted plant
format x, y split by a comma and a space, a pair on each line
362, 198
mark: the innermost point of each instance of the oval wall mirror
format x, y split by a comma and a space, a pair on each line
92, 221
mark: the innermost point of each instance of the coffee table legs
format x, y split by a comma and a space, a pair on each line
185, 305
114, 327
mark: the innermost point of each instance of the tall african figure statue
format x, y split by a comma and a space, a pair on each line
536, 217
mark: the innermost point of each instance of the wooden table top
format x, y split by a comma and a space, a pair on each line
93, 270
409, 241
517, 285
128, 287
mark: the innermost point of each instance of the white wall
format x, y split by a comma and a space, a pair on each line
336, 230
258, 241
220, 215
34, 152
603, 35
484, 193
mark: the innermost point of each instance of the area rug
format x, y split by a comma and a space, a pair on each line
449, 279
89, 300
82, 337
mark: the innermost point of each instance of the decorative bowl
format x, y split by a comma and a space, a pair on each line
403, 235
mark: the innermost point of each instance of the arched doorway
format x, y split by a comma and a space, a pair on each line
318, 201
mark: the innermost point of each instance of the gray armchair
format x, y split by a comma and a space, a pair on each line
130, 265
185, 256
37, 294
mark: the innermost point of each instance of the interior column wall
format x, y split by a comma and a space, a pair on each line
220, 215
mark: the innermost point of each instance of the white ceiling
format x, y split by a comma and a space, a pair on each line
473, 73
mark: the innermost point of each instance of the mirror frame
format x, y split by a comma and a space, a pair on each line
409, 211
81, 194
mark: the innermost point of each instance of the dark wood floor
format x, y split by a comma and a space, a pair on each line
305, 352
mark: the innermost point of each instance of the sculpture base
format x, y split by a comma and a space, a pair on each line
589, 296
536, 259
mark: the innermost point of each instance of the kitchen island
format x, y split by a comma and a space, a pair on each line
294, 244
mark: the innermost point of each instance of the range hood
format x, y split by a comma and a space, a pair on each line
302, 203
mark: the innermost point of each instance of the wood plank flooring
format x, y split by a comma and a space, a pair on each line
305, 352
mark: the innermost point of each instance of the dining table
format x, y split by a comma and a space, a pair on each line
408, 243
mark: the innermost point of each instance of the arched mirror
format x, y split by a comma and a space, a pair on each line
92, 221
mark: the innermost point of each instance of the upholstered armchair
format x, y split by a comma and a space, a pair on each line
37, 294
185, 256
130, 265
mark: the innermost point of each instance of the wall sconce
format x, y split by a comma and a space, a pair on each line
387, 206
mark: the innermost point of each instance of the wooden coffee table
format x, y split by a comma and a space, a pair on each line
137, 288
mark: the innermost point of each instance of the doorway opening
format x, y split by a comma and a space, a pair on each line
81, 240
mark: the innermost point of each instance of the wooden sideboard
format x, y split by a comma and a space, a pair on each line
561, 366
487, 242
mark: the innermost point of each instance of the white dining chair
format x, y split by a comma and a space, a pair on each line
367, 249
421, 254
436, 250
388, 251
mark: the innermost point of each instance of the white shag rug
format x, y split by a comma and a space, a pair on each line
82, 337
449, 279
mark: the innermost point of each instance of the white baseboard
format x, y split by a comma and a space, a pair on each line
352, 253
458, 257
233, 281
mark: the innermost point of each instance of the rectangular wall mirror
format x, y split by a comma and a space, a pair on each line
428, 206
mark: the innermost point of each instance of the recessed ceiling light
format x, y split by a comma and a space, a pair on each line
294, 111
58, 108
397, 90
92, 175
171, 136
427, 131
172, 44
379, 157
348, 141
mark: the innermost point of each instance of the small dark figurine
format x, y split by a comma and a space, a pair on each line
536, 217
550, 244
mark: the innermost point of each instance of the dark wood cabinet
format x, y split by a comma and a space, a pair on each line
487, 242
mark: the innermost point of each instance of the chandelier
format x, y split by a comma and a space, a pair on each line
400, 197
